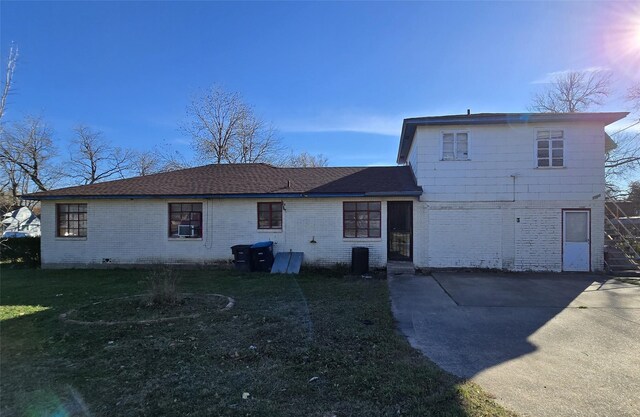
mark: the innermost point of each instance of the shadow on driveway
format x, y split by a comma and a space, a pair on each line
544, 344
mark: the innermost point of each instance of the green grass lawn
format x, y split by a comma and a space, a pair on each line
316, 344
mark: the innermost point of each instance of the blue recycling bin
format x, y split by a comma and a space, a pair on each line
262, 256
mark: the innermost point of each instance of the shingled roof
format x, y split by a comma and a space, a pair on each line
251, 180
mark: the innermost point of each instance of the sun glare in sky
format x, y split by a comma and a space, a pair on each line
622, 38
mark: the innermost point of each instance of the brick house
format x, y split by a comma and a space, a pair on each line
515, 191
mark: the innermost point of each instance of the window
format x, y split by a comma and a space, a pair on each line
185, 220
455, 146
361, 219
269, 215
550, 148
72, 220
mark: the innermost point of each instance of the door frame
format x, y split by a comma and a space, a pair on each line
410, 234
588, 210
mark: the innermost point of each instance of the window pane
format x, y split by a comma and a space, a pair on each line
276, 224
349, 224
375, 224
276, 215
543, 162
362, 233
263, 224
556, 134
577, 227
557, 162
557, 144
263, 206
374, 233
447, 146
543, 144
362, 224
362, 215
375, 205
374, 215
557, 153
276, 207
197, 206
543, 153
349, 232
62, 208
349, 206
349, 215
543, 134
462, 146
363, 206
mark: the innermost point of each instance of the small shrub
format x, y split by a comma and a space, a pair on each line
21, 249
163, 287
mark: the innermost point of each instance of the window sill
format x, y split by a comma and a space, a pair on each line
185, 239
549, 167
70, 238
455, 160
269, 230
360, 239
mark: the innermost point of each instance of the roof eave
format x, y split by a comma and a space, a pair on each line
223, 196
410, 125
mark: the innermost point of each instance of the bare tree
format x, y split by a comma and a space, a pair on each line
224, 129
8, 79
93, 159
623, 161
633, 97
573, 91
145, 163
29, 148
306, 160
255, 142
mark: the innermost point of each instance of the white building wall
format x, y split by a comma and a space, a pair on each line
498, 210
498, 153
136, 232
518, 236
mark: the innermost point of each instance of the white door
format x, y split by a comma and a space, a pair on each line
576, 241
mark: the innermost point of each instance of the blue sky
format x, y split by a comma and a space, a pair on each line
334, 78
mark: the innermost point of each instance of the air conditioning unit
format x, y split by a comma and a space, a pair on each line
186, 230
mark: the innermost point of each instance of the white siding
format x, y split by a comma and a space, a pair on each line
498, 152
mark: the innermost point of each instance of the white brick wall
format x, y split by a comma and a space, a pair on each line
465, 237
136, 232
488, 234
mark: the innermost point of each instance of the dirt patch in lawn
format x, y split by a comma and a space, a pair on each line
136, 310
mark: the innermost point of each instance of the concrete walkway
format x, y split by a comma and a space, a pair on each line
544, 345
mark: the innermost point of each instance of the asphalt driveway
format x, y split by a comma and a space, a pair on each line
543, 345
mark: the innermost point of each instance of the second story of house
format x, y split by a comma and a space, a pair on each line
508, 156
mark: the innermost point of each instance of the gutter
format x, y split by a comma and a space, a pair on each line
225, 196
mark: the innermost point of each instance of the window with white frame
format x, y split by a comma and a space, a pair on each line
550, 148
455, 146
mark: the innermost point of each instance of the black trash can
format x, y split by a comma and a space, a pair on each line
242, 257
359, 260
262, 256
